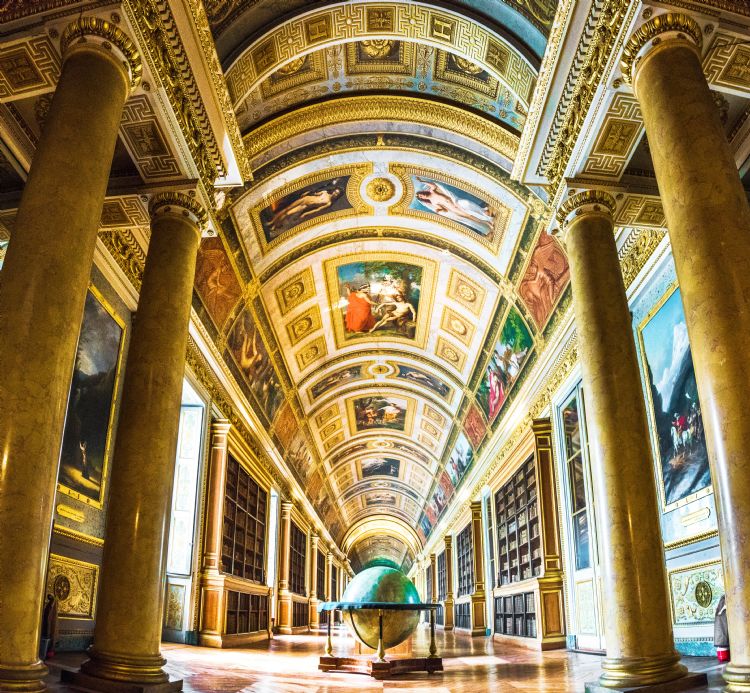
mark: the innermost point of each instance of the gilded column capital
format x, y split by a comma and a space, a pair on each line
585, 202
220, 426
671, 26
448, 541
180, 204
86, 32
476, 507
286, 509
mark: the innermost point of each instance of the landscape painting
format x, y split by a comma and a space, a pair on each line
339, 377
450, 202
419, 377
676, 408
251, 355
304, 205
507, 360
380, 466
84, 454
379, 411
545, 279
460, 460
380, 298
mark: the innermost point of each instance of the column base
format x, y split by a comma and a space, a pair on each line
125, 673
94, 683
737, 677
29, 679
685, 683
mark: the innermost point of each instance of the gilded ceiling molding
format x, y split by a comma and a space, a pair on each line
396, 20
610, 23
679, 26
111, 36
354, 109
200, 22
126, 252
168, 63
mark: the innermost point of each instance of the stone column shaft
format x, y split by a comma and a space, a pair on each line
128, 627
285, 597
638, 622
314, 616
449, 603
708, 218
433, 571
329, 577
478, 606
44, 281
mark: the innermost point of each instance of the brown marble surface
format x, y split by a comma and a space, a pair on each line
288, 664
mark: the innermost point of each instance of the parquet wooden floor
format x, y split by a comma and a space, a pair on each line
288, 664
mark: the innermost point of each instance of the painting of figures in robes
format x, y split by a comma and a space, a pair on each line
379, 298
450, 202
380, 466
88, 422
304, 205
420, 377
680, 437
545, 279
460, 460
340, 377
506, 363
379, 411
251, 355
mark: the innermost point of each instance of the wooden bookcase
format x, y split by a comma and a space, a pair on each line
524, 543
297, 556
465, 561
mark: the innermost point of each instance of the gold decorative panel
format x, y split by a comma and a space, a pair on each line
727, 63
311, 352
302, 326
619, 134
295, 291
29, 67
74, 585
466, 292
457, 326
447, 351
174, 613
695, 591
640, 210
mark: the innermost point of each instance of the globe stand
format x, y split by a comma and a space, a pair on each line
378, 667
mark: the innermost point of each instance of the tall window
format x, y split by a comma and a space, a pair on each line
244, 540
576, 483
464, 549
334, 583
297, 554
320, 569
442, 578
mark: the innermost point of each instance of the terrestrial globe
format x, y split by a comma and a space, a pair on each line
381, 584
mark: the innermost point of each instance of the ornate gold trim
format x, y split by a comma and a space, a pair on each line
163, 202
74, 534
684, 26
679, 543
385, 108
112, 35
596, 200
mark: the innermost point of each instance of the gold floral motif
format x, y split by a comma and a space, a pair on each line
380, 189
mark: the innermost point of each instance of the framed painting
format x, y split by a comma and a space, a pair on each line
506, 363
85, 451
342, 376
380, 297
380, 412
419, 377
460, 460
545, 279
679, 440
380, 466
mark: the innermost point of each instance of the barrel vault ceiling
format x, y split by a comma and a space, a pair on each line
381, 286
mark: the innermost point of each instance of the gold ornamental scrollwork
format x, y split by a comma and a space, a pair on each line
681, 25
595, 200
84, 27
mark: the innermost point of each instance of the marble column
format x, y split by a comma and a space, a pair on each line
284, 621
478, 596
313, 619
212, 584
638, 622
128, 627
708, 218
44, 281
329, 577
449, 603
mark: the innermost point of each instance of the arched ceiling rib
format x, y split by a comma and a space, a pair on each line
382, 286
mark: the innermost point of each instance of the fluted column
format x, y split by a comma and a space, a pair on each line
708, 218
212, 588
478, 604
284, 621
638, 623
449, 603
127, 634
314, 617
44, 281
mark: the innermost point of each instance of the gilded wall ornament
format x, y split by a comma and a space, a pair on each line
380, 189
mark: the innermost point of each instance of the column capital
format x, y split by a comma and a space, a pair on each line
584, 203
179, 204
670, 27
220, 426
476, 506
87, 32
448, 541
286, 508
